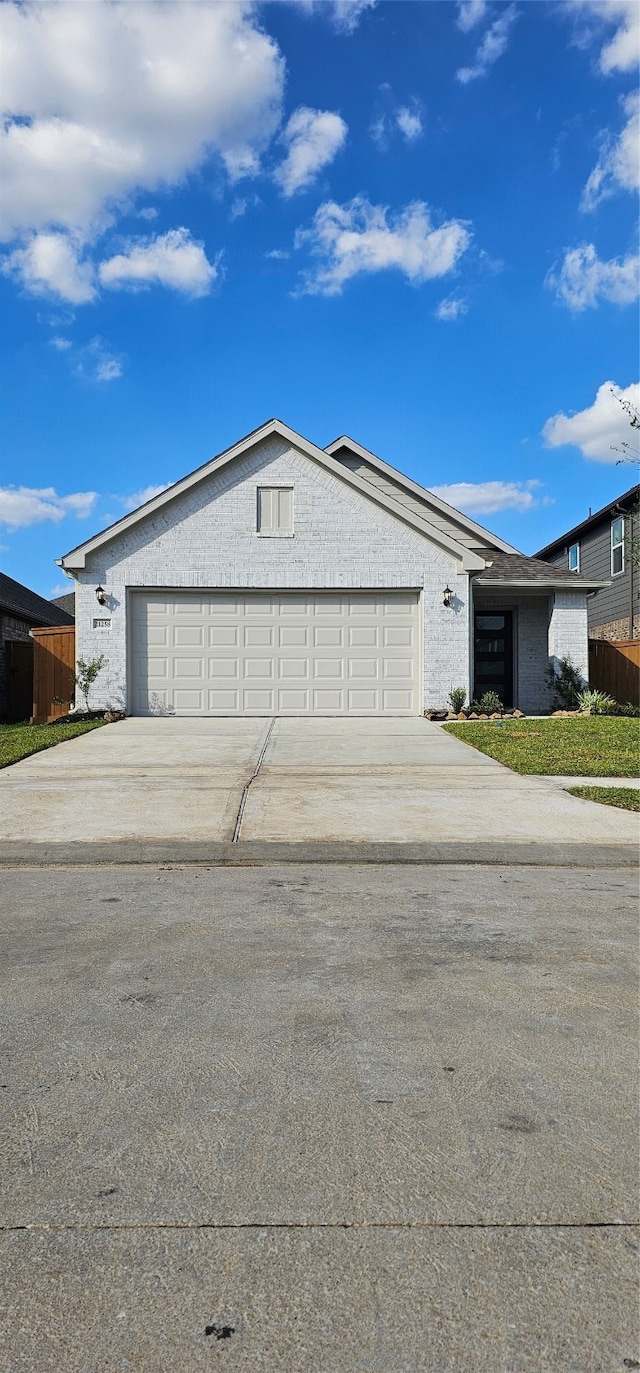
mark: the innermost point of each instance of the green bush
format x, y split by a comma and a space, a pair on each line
565, 684
457, 698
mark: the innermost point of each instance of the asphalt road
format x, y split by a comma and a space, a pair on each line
319, 1119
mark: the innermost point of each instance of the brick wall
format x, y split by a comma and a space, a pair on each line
207, 538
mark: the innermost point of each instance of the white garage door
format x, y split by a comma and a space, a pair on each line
218, 653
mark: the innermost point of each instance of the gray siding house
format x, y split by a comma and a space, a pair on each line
605, 547
281, 578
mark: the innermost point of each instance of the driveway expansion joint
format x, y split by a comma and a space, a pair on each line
245, 790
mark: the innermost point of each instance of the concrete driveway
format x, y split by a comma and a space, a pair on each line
331, 780
364, 1120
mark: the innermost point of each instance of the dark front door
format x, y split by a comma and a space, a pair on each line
493, 654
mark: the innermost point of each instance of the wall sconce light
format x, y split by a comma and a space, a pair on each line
101, 595
448, 597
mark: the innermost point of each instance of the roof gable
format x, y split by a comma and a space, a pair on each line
434, 510
76, 558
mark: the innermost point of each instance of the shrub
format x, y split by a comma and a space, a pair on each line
565, 683
490, 703
594, 701
628, 710
457, 698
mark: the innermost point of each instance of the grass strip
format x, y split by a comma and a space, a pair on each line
626, 798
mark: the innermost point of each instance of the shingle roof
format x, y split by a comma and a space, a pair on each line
66, 603
515, 567
27, 605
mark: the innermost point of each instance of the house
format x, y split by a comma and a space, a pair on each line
285, 579
605, 545
21, 610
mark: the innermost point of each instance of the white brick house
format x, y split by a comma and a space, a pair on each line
281, 578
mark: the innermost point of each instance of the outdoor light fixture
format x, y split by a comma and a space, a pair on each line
101, 595
446, 599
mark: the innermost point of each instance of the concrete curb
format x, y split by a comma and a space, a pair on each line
258, 853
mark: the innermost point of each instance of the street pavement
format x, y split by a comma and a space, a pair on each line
321, 1119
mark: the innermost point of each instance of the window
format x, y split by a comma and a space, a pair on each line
617, 545
275, 510
574, 557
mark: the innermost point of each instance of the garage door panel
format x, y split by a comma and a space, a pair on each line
292, 653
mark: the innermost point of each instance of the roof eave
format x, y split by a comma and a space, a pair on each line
549, 583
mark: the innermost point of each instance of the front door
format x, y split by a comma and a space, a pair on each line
493, 654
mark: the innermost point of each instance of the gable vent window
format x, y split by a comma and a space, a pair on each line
574, 557
617, 545
275, 510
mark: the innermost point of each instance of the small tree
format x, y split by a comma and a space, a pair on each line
565, 683
85, 675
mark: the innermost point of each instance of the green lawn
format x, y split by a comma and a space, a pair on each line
591, 746
624, 797
18, 741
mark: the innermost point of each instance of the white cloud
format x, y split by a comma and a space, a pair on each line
49, 264
21, 506
409, 123
598, 428
279, 254
149, 212
583, 279
360, 237
485, 498
312, 138
470, 12
61, 345
491, 48
173, 259
61, 589
345, 14
141, 497
619, 164
104, 100
452, 307
621, 52
96, 363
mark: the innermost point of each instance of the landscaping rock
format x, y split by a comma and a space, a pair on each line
473, 715
518, 714
461, 715
483, 717
497, 715
450, 716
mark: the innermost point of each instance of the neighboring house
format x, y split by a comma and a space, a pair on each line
285, 579
21, 610
606, 546
66, 603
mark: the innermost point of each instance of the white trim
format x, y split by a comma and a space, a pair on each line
422, 492
619, 545
75, 560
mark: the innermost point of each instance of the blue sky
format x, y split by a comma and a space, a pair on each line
414, 223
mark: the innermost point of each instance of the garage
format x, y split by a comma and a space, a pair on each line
268, 653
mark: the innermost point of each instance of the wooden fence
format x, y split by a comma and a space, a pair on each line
615, 667
54, 656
